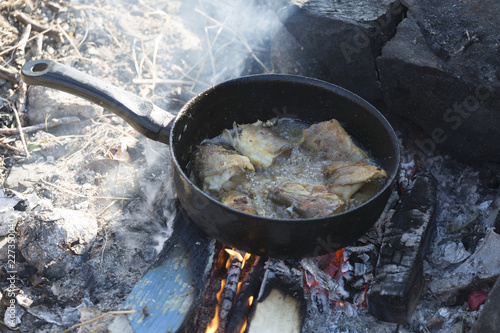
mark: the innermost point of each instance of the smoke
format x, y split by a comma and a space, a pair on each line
233, 38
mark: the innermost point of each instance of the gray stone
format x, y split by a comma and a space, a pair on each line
46, 104
336, 41
441, 70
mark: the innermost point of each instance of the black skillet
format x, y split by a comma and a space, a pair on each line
246, 100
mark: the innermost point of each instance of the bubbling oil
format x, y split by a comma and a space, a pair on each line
297, 165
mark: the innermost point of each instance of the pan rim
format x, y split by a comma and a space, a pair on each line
299, 80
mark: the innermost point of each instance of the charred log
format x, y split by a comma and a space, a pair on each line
398, 280
252, 282
231, 286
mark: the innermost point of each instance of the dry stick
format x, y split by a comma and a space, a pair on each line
29, 39
69, 40
9, 75
34, 128
51, 31
21, 45
239, 35
100, 317
23, 87
38, 47
162, 81
211, 55
62, 189
21, 134
136, 64
6, 146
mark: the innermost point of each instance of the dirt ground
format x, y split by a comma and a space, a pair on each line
88, 204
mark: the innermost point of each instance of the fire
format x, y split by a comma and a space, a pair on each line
234, 253
219, 319
214, 324
244, 326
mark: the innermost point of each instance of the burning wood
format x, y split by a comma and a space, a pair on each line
236, 263
237, 320
235, 295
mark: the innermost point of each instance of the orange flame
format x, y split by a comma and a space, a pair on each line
234, 253
214, 324
244, 326
247, 256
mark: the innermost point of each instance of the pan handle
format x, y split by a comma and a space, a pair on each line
147, 118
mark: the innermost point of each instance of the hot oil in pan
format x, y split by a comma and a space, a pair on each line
296, 165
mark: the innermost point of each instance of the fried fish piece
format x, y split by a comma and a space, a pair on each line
238, 201
344, 178
258, 142
317, 202
331, 139
220, 168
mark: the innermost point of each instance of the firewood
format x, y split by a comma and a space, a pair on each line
233, 277
250, 287
398, 282
278, 312
281, 305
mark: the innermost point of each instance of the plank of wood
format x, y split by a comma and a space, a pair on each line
165, 297
279, 312
281, 305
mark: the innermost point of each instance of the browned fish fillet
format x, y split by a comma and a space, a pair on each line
258, 142
306, 203
330, 138
219, 168
239, 202
345, 178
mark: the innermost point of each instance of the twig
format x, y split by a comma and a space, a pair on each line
6, 146
104, 246
239, 35
21, 45
110, 32
34, 128
162, 81
51, 31
100, 317
23, 87
21, 134
21, 104
8, 75
69, 40
29, 39
38, 47
82, 195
